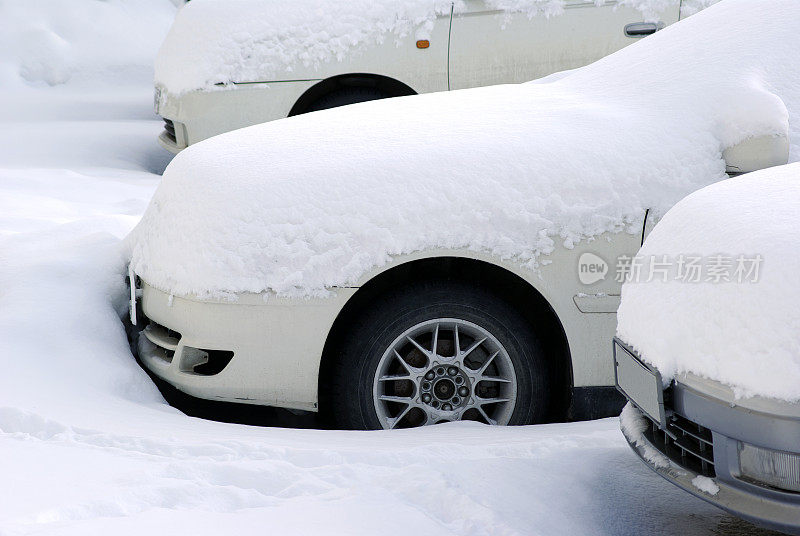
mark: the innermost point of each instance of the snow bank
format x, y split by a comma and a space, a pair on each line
302, 204
747, 334
220, 41
52, 42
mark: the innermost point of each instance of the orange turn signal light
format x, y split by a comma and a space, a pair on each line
423, 43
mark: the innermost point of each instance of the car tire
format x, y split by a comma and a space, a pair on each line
346, 95
354, 395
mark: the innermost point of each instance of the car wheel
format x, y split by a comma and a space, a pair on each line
346, 95
436, 352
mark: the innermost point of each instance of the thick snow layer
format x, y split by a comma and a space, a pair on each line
221, 41
744, 334
88, 446
299, 205
53, 42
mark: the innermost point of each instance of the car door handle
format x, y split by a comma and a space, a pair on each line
641, 29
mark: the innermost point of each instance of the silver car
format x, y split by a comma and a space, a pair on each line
747, 450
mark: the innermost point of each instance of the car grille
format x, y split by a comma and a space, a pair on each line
684, 442
169, 127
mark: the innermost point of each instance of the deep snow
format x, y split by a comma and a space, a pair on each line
88, 446
742, 331
299, 205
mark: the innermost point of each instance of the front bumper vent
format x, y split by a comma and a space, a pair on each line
165, 340
169, 128
201, 361
684, 442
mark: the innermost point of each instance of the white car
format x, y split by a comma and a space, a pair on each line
227, 65
710, 360
452, 255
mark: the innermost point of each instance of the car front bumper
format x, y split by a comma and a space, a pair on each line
196, 115
251, 349
723, 425
170, 142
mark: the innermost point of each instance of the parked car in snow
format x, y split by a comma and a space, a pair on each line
452, 255
714, 379
228, 65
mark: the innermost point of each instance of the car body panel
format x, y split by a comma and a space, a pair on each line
489, 46
198, 115
278, 342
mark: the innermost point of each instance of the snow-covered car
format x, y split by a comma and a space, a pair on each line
230, 64
709, 349
451, 255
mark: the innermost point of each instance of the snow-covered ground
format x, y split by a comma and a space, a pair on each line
88, 446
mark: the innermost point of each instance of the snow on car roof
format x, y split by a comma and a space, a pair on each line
221, 41
742, 329
299, 205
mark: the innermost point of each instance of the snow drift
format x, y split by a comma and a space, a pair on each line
221, 41
302, 204
53, 42
745, 334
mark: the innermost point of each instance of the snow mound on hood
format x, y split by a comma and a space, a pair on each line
221, 41
744, 334
302, 204
52, 42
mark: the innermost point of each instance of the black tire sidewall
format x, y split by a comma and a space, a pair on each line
345, 96
388, 318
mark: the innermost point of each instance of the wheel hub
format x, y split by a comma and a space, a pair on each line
445, 387
441, 370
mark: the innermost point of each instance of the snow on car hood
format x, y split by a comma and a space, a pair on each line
744, 332
221, 41
303, 204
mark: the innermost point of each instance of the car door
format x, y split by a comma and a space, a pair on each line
491, 46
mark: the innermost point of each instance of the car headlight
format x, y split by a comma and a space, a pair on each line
772, 467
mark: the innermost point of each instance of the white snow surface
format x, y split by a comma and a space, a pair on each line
88, 446
633, 425
745, 335
299, 205
222, 41
705, 484
53, 42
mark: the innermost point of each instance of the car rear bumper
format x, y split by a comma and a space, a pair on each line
703, 435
